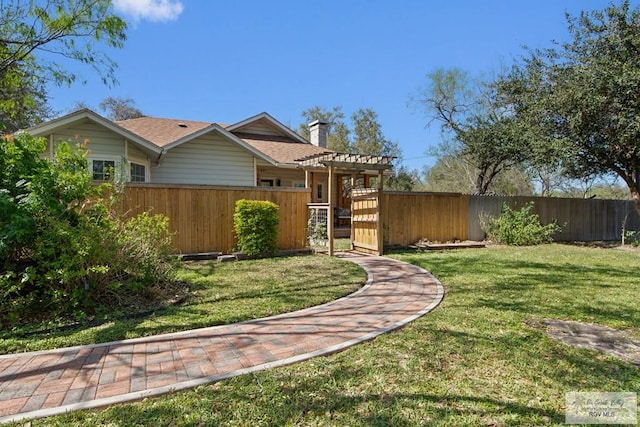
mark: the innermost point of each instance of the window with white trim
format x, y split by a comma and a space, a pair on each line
137, 172
103, 170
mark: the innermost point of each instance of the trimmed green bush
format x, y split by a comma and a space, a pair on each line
255, 223
519, 227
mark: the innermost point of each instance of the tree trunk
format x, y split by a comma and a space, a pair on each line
635, 190
481, 188
633, 183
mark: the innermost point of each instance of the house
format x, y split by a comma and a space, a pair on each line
258, 151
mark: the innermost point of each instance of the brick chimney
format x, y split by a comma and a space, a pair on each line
318, 131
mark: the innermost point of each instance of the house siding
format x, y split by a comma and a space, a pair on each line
259, 128
287, 177
101, 141
209, 159
135, 154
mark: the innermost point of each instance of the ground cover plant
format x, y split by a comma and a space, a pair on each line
219, 293
477, 359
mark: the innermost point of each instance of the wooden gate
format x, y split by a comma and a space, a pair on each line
366, 224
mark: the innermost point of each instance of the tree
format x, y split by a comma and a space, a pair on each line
364, 136
581, 97
368, 137
23, 100
454, 174
479, 125
34, 35
403, 179
338, 131
120, 108
57, 28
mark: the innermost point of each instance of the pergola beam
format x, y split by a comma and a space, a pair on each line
347, 161
355, 165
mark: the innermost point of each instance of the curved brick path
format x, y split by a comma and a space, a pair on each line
45, 383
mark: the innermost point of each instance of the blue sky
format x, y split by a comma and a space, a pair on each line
224, 61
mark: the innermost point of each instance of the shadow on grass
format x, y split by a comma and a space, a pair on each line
578, 370
221, 310
580, 291
312, 402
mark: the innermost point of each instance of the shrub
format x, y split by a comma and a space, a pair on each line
144, 248
631, 237
255, 223
62, 245
519, 227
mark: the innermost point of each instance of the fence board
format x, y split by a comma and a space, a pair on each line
583, 219
365, 214
202, 216
409, 217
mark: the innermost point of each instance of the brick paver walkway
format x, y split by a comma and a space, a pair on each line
45, 383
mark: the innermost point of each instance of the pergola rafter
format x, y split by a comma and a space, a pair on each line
348, 161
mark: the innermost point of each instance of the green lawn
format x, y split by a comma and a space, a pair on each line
473, 361
220, 293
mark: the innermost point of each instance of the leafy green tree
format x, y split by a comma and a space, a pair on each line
363, 136
34, 34
476, 122
403, 179
449, 174
59, 28
23, 100
338, 131
368, 137
580, 98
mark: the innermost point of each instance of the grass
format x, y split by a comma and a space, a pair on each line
341, 244
220, 293
473, 361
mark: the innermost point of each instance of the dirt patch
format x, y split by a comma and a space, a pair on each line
624, 345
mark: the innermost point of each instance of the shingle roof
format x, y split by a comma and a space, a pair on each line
162, 131
281, 149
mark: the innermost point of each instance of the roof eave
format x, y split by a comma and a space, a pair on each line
217, 128
290, 133
50, 127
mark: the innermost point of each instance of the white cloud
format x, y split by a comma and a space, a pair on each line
150, 10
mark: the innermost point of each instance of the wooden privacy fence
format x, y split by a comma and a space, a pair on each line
409, 217
581, 219
202, 216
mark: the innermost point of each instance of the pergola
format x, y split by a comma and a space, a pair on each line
347, 164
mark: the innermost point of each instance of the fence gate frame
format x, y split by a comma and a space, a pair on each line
366, 221
366, 224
